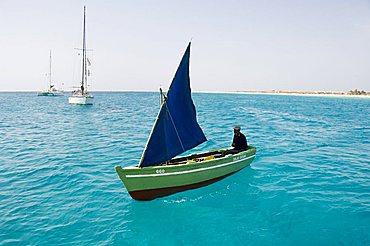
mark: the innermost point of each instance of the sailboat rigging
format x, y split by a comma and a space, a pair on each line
51, 91
81, 95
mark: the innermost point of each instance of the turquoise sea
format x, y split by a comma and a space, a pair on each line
309, 184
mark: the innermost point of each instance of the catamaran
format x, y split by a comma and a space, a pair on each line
81, 96
175, 131
52, 91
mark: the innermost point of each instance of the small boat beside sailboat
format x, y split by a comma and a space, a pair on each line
51, 91
81, 96
175, 131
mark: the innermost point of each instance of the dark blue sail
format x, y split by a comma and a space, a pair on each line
176, 129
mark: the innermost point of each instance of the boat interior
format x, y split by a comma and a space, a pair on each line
199, 157
194, 157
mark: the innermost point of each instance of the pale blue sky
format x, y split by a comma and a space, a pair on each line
237, 45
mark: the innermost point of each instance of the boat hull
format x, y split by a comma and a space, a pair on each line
50, 94
148, 183
82, 100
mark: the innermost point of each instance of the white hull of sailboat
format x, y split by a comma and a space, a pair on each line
50, 94
82, 100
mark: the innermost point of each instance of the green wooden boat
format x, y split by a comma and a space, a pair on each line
175, 131
148, 183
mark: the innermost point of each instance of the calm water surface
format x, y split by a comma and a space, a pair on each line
309, 184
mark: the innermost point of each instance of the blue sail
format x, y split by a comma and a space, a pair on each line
176, 129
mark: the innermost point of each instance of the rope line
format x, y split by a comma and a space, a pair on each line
173, 123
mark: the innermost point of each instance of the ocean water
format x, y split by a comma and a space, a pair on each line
309, 184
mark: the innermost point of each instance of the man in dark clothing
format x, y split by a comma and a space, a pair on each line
239, 141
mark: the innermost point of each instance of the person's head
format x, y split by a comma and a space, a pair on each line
237, 130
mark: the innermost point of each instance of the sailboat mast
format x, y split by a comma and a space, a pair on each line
160, 97
83, 55
85, 51
50, 71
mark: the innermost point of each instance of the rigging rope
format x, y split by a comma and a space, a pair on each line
173, 123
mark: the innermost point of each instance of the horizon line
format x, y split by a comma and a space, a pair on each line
215, 91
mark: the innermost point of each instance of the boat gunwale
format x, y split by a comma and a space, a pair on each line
189, 162
200, 169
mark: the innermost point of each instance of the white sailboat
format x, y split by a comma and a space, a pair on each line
81, 96
52, 91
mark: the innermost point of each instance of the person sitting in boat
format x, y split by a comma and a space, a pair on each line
239, 143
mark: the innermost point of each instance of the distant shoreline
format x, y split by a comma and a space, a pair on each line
291, 93
307, 93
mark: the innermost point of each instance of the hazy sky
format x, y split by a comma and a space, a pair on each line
236, 45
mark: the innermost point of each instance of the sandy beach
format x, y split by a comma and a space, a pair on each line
313, 94
320, 94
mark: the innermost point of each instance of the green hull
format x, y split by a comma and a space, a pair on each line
148, 183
